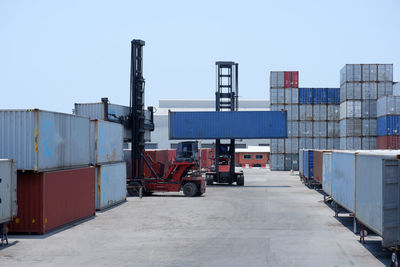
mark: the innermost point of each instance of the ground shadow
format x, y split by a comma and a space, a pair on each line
111, 207
10, 244
375, 248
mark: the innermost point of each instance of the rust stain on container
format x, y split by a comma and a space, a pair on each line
48, 200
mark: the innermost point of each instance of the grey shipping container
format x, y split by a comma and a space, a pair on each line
305, 129
319, 129
305, 143
291, 95
368, 143
385, 88
350, 127
350, 73
292, 112
369, 90
291, 145
368, 109
351, 143
277, 146
385, 72
277, 107
388, 105
106, 139
41, 140
369, 72
327, 173
396, 88
350, 91
350, 109
277, 95
369, 127
293, 129
306, 112
301, 164
377, 200
333, 112
277, 79
332, 143
319, 112
333, 129
8, 190
343, 179
278, 162
291, 162
110, 184
319, 143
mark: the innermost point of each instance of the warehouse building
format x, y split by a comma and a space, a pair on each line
160, 140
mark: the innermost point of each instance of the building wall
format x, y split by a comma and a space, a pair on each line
240, 158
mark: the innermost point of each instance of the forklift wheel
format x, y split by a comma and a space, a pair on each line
210, 180
190, 190
134, 192
240, 180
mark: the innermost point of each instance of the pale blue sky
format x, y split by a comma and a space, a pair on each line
55, 53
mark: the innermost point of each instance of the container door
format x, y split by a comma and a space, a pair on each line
391, 203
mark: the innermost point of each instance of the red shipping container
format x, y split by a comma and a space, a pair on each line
388, 142
48, 200
291, 79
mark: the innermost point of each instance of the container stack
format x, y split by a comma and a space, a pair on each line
360, 87
388, 111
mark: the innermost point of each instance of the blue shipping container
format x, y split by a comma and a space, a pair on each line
320, 96
337, 96
308, 160
305, 95
333, 96
388, 125
227, 125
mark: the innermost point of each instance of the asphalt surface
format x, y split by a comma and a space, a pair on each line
274, 220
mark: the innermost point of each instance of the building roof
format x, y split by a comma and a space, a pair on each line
254, 149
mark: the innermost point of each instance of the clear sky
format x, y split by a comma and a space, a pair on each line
56, 53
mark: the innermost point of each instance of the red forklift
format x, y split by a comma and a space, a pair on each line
226, 99
183, 174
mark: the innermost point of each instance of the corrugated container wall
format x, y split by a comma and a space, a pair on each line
318, 165
8, 190
388, 105
327, 174
41, 140
277, 162
106, 141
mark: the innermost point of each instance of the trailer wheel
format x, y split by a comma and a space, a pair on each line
133, 189
395, 260
210, 180
240, 180
190, 190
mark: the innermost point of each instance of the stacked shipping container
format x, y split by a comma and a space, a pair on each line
360, 87
388, 111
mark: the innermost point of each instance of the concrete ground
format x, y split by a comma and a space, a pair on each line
273, 221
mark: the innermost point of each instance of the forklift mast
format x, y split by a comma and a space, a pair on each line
226, 99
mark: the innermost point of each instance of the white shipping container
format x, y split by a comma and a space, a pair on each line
306, 112
291, 145
369, 127
369, 90
305, 143
278, 145
350, 127
350, 143
8, 190
388, 105
41, 140
385, 88
319, 112
350, 91
320, 129
277, 95
385, 72
350, 109
396, 89
305, 129
277, 79
110, 185
369, 72
106, 141
292, 112
291, 95
333, 129
319, 143
327, 172
368, 109
293, 129
277, 162
277, 107
333, 113
350, 73
368, 143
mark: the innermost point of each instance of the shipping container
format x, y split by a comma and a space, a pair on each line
369, 127
110, 188
320, 96
368, 143
277, 79
278, 107
308, 161
41, 140
277, 95
332, 143
353, 143
333, 129
277, 162
388, 105
292, 112
369, 72
343, 179
350, 127
291, 79
106, 141
385, 88
305, 128
388, 125
293, 129
306, 112
227, 125
377, 202
350, 109
277, 146
368, 109
8, 190
369, 90
291, 145
350, 73
48, 200
291, 95
396, 88
319, 143
350, 91
319, 129
318, 165
385, 72
388, 142
333, 112
327, 173
301, 162
333, 96
292, 162
305, 96
305, 143
319, 112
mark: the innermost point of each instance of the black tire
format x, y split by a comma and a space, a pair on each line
395, 260
190, 189
134, 192
240, 180
210, 180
